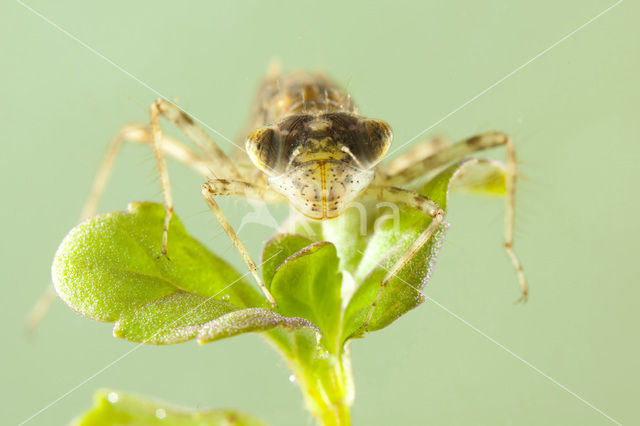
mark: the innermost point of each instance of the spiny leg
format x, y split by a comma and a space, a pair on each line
209, 148
418, 202
416, 154
139, 134
135, 133
510, 217
156, 132
459, 151
215, 159
40, 308
447, 155
218, 159
242, 189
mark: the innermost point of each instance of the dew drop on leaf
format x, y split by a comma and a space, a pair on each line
161, 413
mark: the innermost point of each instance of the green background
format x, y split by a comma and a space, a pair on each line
573, 113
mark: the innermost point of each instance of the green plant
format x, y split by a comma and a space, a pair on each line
325, 277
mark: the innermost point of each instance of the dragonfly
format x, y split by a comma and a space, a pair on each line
306, 145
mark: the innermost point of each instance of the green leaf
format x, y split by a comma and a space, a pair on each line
277, 250
308, 285
175, 318
390, 242
481, 176
108, 268
250, 320
117, 408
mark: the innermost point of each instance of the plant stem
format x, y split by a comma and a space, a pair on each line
326, 379
328, 390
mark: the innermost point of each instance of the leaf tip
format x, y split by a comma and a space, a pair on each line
117, 332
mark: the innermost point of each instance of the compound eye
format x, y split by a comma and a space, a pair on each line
376, 139
262, 145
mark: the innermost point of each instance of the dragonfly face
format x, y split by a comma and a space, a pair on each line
320, 162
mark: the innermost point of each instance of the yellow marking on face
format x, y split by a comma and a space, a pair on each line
319, 150
322, 189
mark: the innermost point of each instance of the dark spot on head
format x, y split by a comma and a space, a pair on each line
186, 118
474, 141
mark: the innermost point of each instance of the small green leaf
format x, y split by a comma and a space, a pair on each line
112, 262
481, 176
308, 285
385, 247
108, 268
277, 250
118, 408
402, 293
250, 320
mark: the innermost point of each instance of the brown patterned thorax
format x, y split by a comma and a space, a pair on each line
297, 93
312, 144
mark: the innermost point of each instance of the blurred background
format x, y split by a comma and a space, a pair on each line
573, 113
